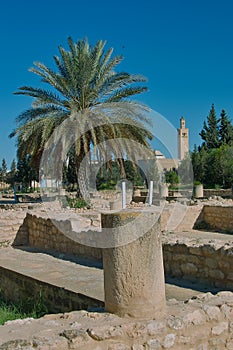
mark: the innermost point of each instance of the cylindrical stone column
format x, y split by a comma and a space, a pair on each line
198, 191
133, 273
163, 190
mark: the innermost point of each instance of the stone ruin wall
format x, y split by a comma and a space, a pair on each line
203, 322
217, 217
217, 192
17, 287
40, 232
201, 262
198, 260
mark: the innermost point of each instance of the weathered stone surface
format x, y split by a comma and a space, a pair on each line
105, 332
137, 347
17, 344
196, 317
133, 273
155, 327
213, 312
229, 343
175, 323
184, 340
80, 337
203, 347
169, 341
58, 343
216, 274
189, 268
207, 325
217, 343
227, 311
153, 344
19, 322
220, 328
118, 346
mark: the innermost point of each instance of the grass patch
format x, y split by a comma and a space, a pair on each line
26, 308
9, 312
77, 203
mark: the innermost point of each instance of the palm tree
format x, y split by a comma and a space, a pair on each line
85, 81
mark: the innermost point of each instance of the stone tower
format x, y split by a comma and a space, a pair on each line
183, 139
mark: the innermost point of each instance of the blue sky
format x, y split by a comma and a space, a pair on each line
184, 48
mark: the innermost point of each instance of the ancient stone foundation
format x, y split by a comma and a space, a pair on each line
199, 260
17, 287
216, 217
48, 234
203, 323
192, 259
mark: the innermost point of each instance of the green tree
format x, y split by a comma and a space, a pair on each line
25, 173
225, 129
109, 176
198, 158
11, 176
212, 168
185, 170
212, 162
84, 79
171, 177
226, 164
209, 133
3, 170
69, 173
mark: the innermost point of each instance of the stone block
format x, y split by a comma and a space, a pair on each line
220, 328
213, 312
197, 317
195, 251
212, 263
216, 274
189, 269
208, 250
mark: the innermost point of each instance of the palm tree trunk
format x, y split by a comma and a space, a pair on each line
82, 168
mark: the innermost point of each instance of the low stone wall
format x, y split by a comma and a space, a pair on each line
18, 288
43, 233
190, 258
199, 261
220, 192
203, 323
216, 217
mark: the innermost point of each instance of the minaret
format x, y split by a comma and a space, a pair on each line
183, 139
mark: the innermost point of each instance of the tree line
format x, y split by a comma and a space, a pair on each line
85, 83
21, 172
212, 161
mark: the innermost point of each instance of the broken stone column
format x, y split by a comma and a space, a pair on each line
133, 272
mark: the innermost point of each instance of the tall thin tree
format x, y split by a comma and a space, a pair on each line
209, 133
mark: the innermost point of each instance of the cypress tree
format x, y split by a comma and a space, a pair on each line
225, 129
209, 133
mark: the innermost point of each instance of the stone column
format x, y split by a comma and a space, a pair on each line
163, 190
133, 272
198, 191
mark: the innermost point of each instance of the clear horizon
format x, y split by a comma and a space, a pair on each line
184, 49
